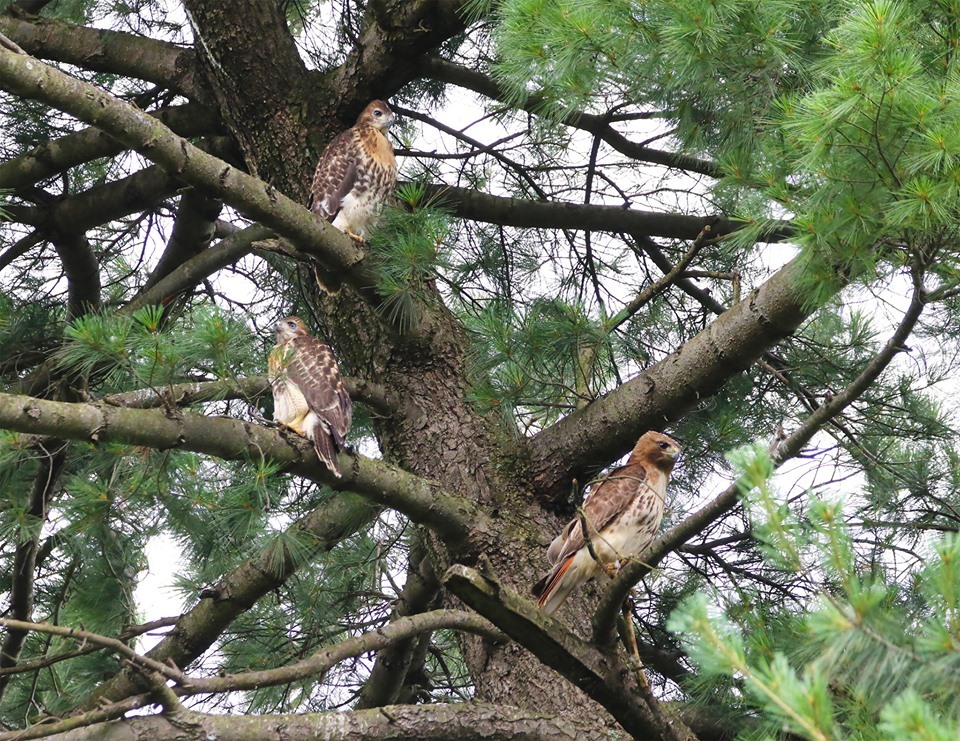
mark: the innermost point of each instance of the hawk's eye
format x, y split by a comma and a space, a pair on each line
377, 112
663, 445
292, 325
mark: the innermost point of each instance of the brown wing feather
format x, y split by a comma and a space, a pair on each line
313, 368
611, 497
336, 174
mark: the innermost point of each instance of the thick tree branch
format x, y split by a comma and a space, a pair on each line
100, 204
395, 32
443, 722
194, 228
472, 204
600, 675
442, 70
191, 272
115, 52
790, 447
663, 393
453, 518
323, 660
82, 271
22, 581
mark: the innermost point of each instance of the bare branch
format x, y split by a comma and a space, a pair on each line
83, 636
250, 388
22, 582
664, 392
191, 272
198, 628
446, 71
329, 657
478, 206
393, 664
58, 155
30, 78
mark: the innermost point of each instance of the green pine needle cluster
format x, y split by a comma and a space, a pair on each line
142, 351
408, 246
865, 655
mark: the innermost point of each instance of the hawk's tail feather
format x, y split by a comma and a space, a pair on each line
326, 448
553, 589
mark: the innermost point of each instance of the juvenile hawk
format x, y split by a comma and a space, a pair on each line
357, 172
308, 393
623, 515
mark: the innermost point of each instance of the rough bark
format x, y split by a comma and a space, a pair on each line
470, 722
244, 46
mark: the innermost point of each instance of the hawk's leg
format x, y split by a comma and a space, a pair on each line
355, 237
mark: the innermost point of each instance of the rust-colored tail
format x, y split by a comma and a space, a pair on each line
553, 589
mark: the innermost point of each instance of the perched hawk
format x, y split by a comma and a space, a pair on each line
357, 172
308, 393
623, 515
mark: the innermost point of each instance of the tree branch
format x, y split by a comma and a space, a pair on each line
168, 65
22, 582
82, 271
57, 155
194, 228
84, 637
329, 657
442, 70
477, 206
442, 722
30, 78
599, 675
391, 669
191, 272
394, 32
100, 204
198, 628
249, 388
457, 521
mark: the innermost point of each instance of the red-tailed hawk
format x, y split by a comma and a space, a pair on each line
357, 172
308, 393
623, 515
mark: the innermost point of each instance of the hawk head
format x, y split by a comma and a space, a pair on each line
656, 449
290, 328
376, 114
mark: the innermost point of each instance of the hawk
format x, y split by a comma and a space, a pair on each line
308, 393
357, 172
622, 514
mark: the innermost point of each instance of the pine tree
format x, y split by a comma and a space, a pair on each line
734, 221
